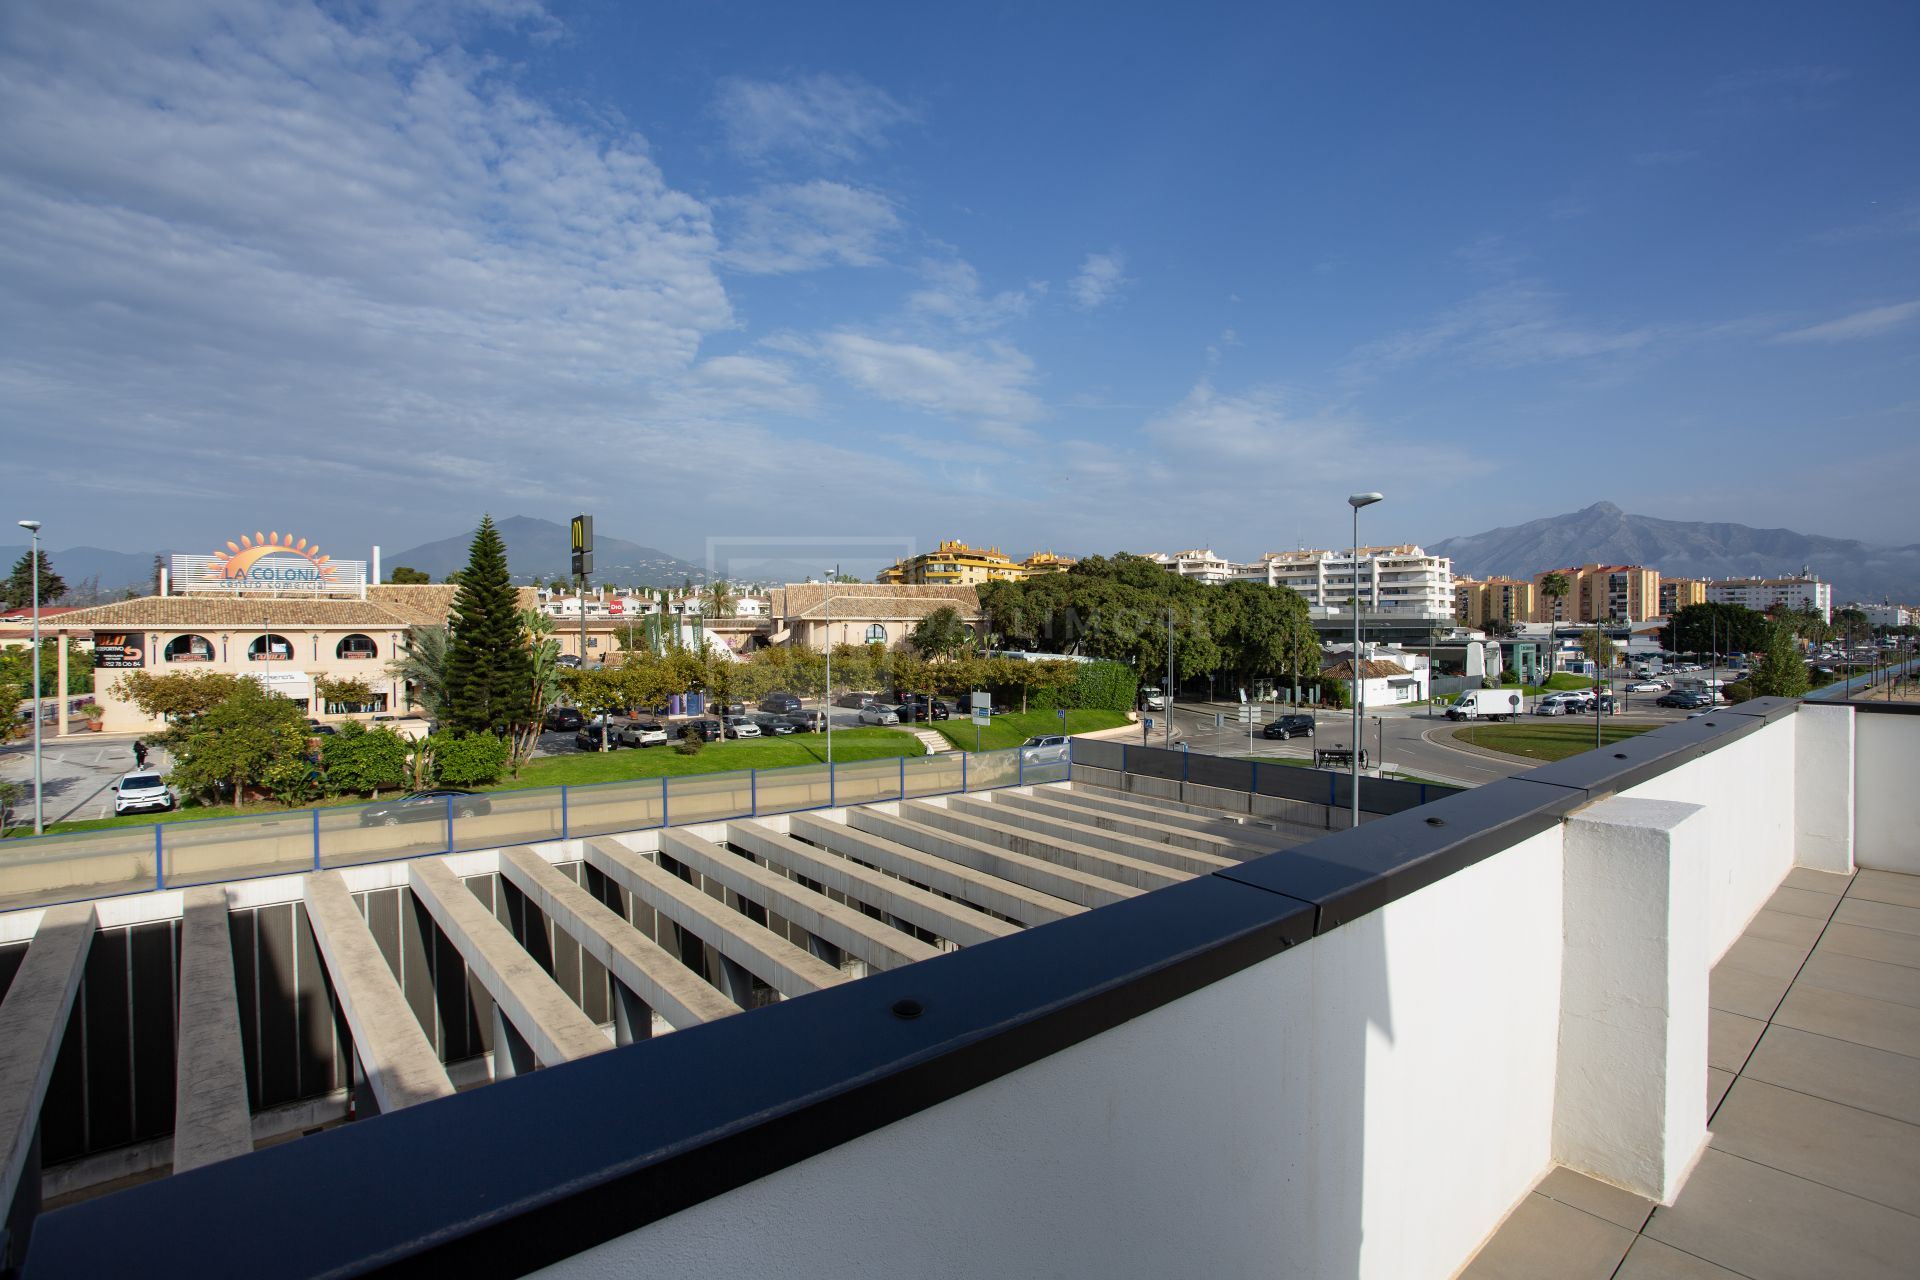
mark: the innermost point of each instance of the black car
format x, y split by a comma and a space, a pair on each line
425, 806
919, 709
317, 730
1289, 727
779, 704
588, 739
806, 721
564, 719
1685, 699
773, 725
705, 730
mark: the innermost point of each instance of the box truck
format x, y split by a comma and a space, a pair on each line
1485, 704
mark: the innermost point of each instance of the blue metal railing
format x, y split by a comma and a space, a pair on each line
1858, 686
172, 855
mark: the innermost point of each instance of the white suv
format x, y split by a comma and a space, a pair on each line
140, 792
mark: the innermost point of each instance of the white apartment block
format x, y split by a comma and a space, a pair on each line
1204, 565
1401, 580
1887, 615
1763, 594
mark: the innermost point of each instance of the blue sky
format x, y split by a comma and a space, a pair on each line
1089, 277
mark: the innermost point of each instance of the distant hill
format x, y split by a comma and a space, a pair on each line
1686, 549
544, 549
116, 570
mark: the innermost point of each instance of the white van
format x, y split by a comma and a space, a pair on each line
1485, 704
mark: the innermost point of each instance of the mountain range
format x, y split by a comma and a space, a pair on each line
544, 549
1603, 533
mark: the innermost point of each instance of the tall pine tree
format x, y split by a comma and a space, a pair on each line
487, 655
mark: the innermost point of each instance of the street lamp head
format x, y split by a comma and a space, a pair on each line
1360, 500
30, 524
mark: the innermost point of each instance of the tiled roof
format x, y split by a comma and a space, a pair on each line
1370, 669
859, 600
385, 607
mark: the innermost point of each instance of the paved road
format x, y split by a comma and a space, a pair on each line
1411, 740
79, 773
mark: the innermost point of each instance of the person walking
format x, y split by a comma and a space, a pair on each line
139, 754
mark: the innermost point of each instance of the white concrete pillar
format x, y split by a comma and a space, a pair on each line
1630, 1095
1823, 787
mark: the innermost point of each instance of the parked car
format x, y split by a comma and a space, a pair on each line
706, 730
780, 703
1046, 748
564, 719
923, 709
1554, 707
1289, 726
856, 700
588, 738
142, 793
425, 806
643, 733
772, 726
568, 660
1685, 699
877, 713
1646, 686
806, 721
741, 727
1154, 699
315, 729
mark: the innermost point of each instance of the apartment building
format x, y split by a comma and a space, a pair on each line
1402, 580
1887, 615
1477, 602
954, 564
1203, 565
1677, 593
1600, 593
1797, 593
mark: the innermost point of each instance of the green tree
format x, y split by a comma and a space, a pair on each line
180, 697
18, 588
1599, 649
362, 761
720, 598
469, 759
597, 691
1781, 671
351, 692
543, 684
941, 634
1709, 628
487, 658
404, 575
248, 738
422, 669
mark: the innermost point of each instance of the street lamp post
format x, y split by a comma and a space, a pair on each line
1357, 501
39, 814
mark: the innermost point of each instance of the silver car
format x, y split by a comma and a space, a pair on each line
876, 713
741, 727
1048, 748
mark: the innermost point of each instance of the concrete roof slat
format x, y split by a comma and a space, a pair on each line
33, 1022
1006, 864
213, 1120
1047, 842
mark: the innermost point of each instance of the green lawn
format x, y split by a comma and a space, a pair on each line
1545, 741
1012, 730
715, 757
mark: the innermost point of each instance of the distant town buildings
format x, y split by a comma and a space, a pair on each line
1677, 593
1600, 593
1799, 594
1887, 615
1509, 600
1203, 565
954, 563
1402, 580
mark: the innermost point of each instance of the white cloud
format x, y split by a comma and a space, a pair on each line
1509, 326
988, 386
819, 118
1101, 278
1870, 323
805, 226
952, 296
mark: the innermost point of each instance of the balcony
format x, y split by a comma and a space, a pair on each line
1502, 1016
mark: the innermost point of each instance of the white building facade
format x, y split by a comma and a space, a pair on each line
1887, 615
1762, 594
1392, 580
1203, 565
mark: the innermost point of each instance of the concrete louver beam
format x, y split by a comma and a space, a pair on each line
1225, 849
954, 921
212, 1120
881, 946
648, 970
990, 892
1009, 832
399, 1062
990, 859
761, 952
1079, 828
33, 1022
1153, 809
553, 1026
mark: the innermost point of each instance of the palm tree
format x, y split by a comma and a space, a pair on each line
422, 665
721, 598
1555, 587
543, 687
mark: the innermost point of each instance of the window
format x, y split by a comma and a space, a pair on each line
356, 646
876, 634
270, 648
189, 648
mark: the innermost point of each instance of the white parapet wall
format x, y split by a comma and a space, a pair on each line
1886, 795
